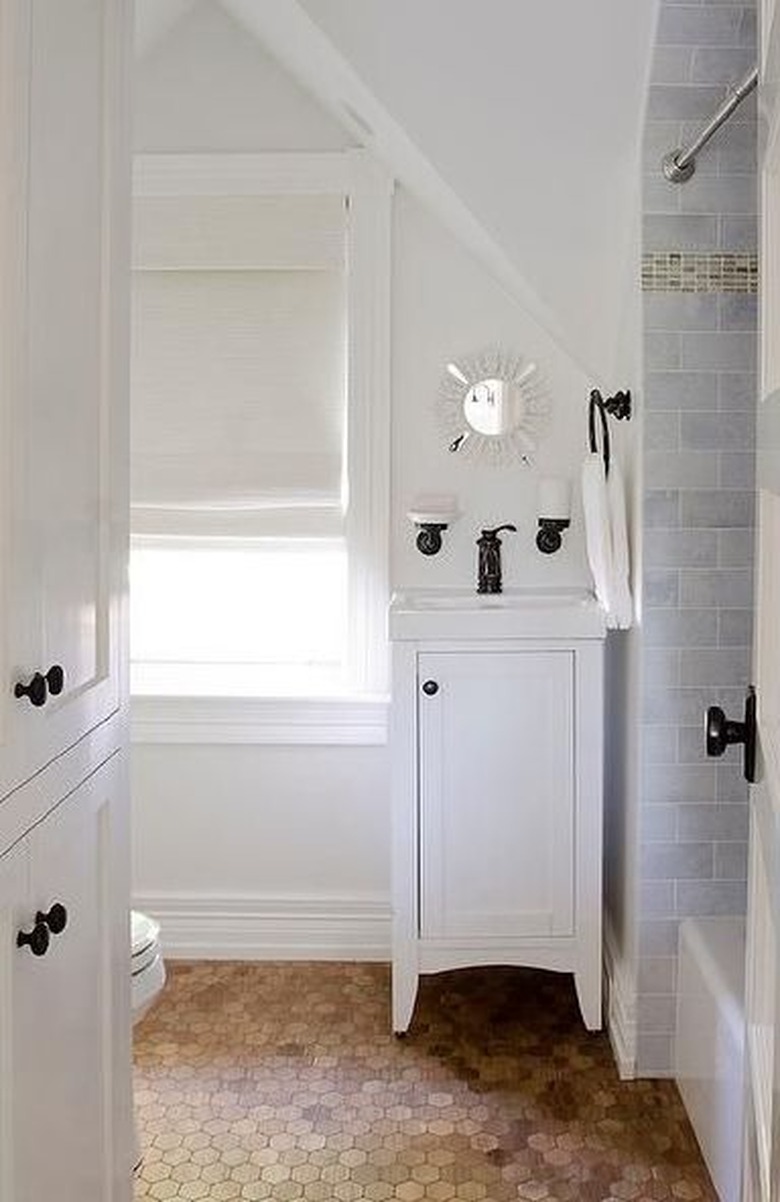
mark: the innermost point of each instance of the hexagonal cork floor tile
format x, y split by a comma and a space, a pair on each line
284, 1082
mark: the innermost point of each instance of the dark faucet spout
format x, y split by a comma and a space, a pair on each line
489, 570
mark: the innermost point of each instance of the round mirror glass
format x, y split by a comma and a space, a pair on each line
493, 407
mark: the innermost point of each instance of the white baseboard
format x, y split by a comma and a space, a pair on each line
621, 1007
270, 927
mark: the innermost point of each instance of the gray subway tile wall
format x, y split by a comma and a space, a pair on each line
700, 318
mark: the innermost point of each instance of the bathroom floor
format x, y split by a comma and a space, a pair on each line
282, 1081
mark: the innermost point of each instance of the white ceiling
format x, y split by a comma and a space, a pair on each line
518, 121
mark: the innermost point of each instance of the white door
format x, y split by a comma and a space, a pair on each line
64, 1094
762, 1143
762, 1151
64, 233
496, 795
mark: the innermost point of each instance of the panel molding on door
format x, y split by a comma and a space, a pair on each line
64, 487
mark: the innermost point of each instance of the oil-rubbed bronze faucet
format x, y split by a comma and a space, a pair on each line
489, 572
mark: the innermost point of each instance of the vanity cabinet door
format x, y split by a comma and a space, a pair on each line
497, 799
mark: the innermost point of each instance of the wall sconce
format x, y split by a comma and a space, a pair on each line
432, 515
554, 513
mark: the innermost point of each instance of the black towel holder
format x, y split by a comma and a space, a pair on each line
617, 406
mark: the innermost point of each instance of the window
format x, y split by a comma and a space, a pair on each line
259, 426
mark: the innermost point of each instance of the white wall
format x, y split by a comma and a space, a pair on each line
269, 820
206, 86
444, 306
532, 113
231, 838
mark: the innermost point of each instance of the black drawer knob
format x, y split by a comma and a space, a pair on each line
36, 691
56, 919
37, 939
430, 687
55, 679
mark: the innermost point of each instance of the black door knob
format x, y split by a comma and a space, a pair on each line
36, 691
430, 687
55, 679
56, 919
721, 732
37, 939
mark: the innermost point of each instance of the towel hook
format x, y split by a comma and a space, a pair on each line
617, 406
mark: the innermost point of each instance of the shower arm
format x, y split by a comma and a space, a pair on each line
679, 165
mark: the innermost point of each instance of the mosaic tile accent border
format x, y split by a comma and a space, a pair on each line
693, 271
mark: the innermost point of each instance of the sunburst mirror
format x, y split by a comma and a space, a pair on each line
493, 405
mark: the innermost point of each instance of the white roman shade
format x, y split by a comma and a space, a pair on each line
239, 365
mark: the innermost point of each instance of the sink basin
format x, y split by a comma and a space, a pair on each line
517, 613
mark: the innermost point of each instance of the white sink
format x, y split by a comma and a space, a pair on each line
516, 613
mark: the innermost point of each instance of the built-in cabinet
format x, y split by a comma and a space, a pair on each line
497, 760
65, 1101
63, 329
64, 1019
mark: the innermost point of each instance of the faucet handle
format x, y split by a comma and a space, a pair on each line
498, 529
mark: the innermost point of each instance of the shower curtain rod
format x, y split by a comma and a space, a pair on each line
679, 165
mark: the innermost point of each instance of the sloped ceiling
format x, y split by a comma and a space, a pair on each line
518, 121
154, 19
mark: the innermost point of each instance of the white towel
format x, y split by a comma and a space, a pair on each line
598, 535
620, 591
606, 539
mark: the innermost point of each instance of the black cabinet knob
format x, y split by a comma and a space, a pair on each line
40, 686
56, 919
36, 691
37, 939
55, 679
430, 687
721, 732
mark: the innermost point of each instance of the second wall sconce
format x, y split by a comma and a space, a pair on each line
554, 513
432, 515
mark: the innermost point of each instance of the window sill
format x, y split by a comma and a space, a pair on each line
341, 721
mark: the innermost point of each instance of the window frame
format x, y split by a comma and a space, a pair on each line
368, 190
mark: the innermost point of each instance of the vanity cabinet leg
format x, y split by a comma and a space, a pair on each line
404, 993
587, 982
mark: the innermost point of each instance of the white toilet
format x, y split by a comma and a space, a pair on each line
147, 965
148, 977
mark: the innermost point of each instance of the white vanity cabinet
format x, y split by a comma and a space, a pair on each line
65, 1084
497, 736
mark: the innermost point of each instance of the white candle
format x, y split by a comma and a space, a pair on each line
554, 498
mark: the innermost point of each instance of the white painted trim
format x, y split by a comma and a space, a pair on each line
621, 1007
265, 174
270, 926
367, 518
339, 721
